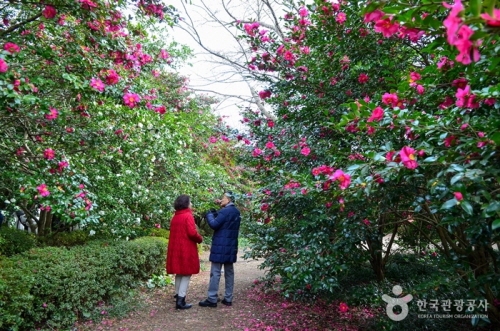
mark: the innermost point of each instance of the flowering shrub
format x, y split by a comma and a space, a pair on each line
97, 128
399, 113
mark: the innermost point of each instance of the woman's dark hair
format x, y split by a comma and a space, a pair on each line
182, 202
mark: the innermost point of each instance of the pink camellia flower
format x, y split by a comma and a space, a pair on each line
270, 145
305, 151
303, 12
387, 27
363, 78
343, 178
341, 18
52, 115
256, 152
270, 123
420, 89
43, 190
164, 54
88, 4
49, 154
213, 139
3, 66
264, 206
445, 63
366, 222
390, 99
97, 84
414, 76
465, 98
158, 225
377, 115
458, 196
49, 12
131, 99
374, 16
343, 307
408, 157
481, 144
11, 48
61, 165
492, 21
458, 34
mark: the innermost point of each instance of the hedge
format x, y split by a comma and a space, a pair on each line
53, 287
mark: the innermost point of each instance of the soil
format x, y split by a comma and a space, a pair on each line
158, 313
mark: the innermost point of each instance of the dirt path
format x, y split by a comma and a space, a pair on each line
159, 313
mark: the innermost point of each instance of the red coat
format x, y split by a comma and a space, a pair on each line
182, 252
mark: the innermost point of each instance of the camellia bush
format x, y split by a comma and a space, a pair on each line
387, 126
96, 127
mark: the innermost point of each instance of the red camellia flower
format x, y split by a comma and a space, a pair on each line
49, 12
265, 94
363, 78
112, 77
343, 307
49, 154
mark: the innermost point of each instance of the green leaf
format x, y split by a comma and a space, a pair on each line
449, 204
456, 168
496, 224
456, 178
493, 207
475, 7
431, 159
496, 138
467, 207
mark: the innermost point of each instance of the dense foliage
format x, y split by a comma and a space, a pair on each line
96, 126
387, 125
53, 287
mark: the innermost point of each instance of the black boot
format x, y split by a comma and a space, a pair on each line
181, 303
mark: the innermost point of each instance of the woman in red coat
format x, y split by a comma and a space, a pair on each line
182, 252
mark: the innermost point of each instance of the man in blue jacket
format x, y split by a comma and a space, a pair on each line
226, 226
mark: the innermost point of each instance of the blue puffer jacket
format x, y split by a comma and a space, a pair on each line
225, 239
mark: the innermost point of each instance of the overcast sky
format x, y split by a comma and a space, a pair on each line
215, 38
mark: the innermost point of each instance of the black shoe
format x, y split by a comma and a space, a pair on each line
206, 303
180, 303
226, 303
175, 296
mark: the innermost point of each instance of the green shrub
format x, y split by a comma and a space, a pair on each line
68, 239
162, 233
52, 287
15, 241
